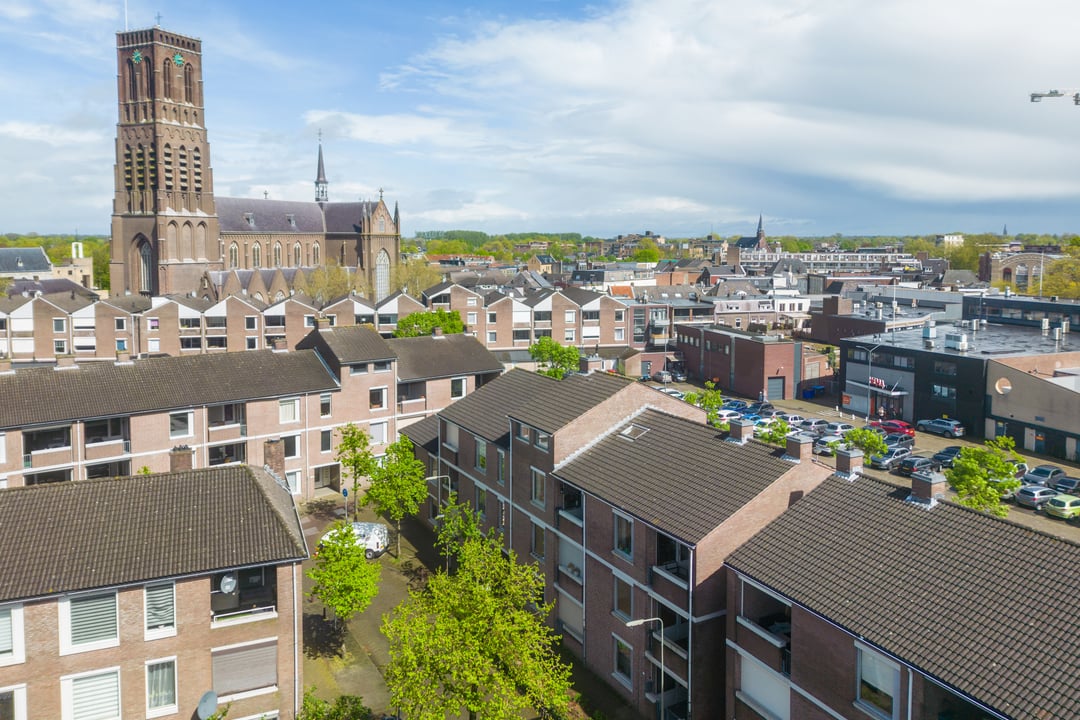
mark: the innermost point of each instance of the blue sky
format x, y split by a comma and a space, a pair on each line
680, 117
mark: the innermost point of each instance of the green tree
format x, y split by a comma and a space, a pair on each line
980, 476
345, 581
354, 454
423, 323
710, 399
776, 434
647, 252
345, 707
416, 275
397, 484
101, 254
331, 281
1063, 278
554, 359
476, 641
458, 523
865, 439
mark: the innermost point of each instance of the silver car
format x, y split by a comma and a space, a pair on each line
1034, 496
890, 459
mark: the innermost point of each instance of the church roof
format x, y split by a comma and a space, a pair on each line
253, 215
348, 217
27, 260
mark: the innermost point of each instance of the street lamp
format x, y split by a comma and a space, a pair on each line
642, 621
869, 372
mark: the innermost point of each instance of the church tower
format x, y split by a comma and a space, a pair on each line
164, 223
322, 195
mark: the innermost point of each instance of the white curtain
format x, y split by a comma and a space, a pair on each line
161, 684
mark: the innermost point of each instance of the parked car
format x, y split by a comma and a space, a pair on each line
673, 392
1067, 484
895, 426
815, 426
727, 415
662, 376
770, 414
762, 426
792, 419
373, 537
941, 426
882, 432
824, 444
1035, 496
733, 405
899, 440
1021, 469
838, 428
757, 407
947, 456
1043, 475
678, 376
752, 417
915, 463
890, 458
1063, 506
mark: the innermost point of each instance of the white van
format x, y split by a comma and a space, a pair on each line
373, 537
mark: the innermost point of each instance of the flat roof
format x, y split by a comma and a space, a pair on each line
989, 341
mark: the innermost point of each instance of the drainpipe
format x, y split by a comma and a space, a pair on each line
296, 645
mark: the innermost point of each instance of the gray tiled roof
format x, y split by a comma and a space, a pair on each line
355, 343
580, 296
984, 605
347, 217
423, 358
268, 216
424, 433
679, 475
70, 536
50, 286
567, 400
484, 411
24, 260
37, 396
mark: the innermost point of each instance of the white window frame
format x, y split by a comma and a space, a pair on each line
328, 399
244, 693
282, 405
153, 324
67, 697
452, 436
570, 316
158, 632
385, 395
17, 655
625, 680
617, 519
121, 344
121, 324
543, 441
3, 448
190, 424
64, 607
537, 479
385, 433
326, 435
569, 335
296, 446
492, 336
60, 347
59, 325
862, 651
153, 344
455, 394
19, 694
251, 322
292, 479
470, 319
164, 709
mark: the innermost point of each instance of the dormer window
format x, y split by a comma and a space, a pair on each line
249, 218
291, 219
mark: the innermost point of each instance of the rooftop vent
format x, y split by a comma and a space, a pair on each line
633, 432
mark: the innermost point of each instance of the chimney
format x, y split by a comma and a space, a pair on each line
280, 344
799, 447
927, 488
63, 362
181, 459
274, 456
5, 364
437, 331
849, 463
123, 356
740, 430
322, 323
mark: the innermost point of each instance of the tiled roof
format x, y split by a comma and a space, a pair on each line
424, 433
70, 536
37, 396
677, 475
268, 216
347, 217
984, 605
50, 286
24, 260
567, 400
580, 296
427, 357
484, 411
355, 343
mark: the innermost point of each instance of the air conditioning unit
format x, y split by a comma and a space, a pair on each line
956, 341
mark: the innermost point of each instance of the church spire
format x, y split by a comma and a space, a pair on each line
760, 227
321, 194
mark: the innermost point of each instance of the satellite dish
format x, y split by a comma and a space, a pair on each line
207, 705
228, 584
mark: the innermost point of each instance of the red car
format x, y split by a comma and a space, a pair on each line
895, 426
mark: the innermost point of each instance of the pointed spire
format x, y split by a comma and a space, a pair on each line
321, 194
760, 226
1005, 230
397, 219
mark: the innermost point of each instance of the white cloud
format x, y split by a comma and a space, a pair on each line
49, 134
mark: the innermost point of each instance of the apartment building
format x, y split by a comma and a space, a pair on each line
148, 592
867, 600
629, 504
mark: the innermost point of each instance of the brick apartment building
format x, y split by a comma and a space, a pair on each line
147, 592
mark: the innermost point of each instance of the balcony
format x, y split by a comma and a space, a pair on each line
768, 639
243, 596
410, 406
671, 580
97, 448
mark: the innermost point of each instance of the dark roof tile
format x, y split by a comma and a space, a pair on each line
424, 358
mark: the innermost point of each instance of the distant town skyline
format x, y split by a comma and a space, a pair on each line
605, 118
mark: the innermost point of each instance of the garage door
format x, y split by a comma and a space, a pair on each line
776, 388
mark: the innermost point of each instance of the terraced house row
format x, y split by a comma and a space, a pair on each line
767, 584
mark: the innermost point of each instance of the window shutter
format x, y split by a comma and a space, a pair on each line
93, 618
160, 612
6, 645
96, 697
245, 668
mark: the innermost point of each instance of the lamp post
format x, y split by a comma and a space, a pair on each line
869, 371
642, 621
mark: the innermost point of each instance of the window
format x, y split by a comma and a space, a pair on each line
251, 343
538, 487
13, 703
59, 325
121, 324
590, 315
624, 536
536, 545
945, 392
470, 319
324, 405
91, 696
358, 369
326, 441
470, 301
291, 445
180, 424
377, 398
623, 599
88, 622
217, 343
501, 477
879, 683
569, 335
481, 454
309, 321
457, 388
380, 366
542, 316
186, 343
190, 323
492, 336
289, 410
247, 668
571, 316
620, 334
543, 440
623, 662
619, 316
481, 502
379, 433
160, 603
521, 335
122, 344
492, 317
161, 687
12, 650
292, 479
523, 432
221, 415
60, 347
251, 322
944, 367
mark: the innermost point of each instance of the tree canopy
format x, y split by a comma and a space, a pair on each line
476, 641
865, 439
424, 323
345, 580
554, 360
397, 484
710, 399
344, 707
981, 475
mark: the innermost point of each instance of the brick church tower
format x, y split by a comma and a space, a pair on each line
164, 224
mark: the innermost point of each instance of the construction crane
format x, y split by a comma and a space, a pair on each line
1038, 96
